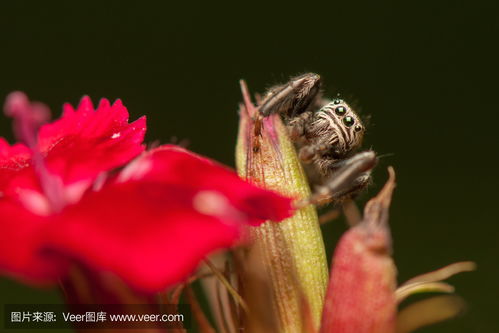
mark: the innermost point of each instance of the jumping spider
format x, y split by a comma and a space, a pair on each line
326, 133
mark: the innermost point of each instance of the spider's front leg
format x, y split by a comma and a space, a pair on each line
345, 178
297, 127
293, 98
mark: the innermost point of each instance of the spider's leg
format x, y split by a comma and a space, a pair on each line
293, 98
308, 152
330, 215
297, 126
348, 208
352, 212
353, 175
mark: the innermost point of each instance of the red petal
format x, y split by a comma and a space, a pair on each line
174, 165
12, 160
84, 143
77, 147
149, 234
21, 237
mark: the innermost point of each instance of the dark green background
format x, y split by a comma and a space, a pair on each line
426, 72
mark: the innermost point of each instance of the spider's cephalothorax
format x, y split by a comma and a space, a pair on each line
326, 132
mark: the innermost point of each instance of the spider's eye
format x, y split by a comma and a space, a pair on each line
340, 110
348, 121
358, 128
337, 101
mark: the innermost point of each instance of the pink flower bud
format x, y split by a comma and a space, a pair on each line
361, 293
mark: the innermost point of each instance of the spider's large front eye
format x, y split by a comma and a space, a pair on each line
348, 121
340, 110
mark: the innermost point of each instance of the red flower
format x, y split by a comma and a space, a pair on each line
150, 224
78, 147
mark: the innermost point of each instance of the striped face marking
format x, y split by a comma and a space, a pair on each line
340, 124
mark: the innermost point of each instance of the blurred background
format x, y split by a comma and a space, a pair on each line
425, 72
